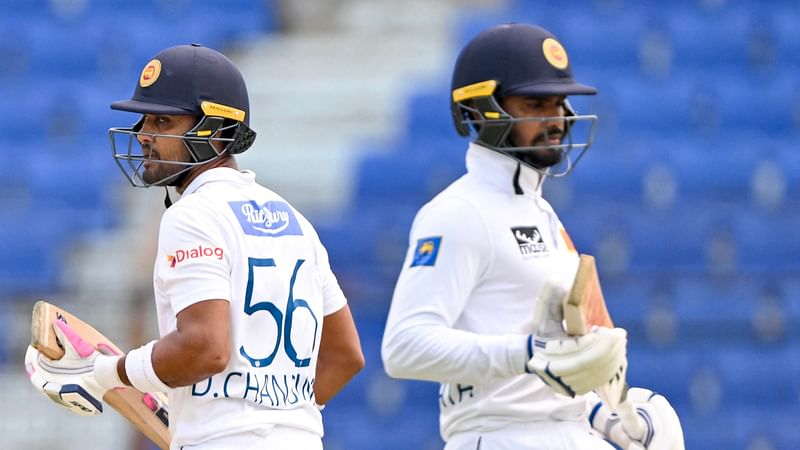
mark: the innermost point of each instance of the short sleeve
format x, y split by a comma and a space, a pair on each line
193, 257
333, 298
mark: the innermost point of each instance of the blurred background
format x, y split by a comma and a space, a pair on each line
689, 198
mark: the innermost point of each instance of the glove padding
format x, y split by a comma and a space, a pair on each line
578, 364
69, 381
572, 365
662, 427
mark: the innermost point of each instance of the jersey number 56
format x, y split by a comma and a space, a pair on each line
284, 324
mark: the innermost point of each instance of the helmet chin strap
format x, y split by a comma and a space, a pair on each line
167, 200
177, 182
517, 188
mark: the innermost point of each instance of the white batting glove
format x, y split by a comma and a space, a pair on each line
79, 379
579, 364
573, 365
662, 427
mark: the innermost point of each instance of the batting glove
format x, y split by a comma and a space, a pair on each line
79, 379
662, 428
579, 364
573, 365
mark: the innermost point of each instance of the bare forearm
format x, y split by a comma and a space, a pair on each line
198, 349
340, 356
331, 377
177, 364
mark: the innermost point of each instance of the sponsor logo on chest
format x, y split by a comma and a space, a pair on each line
192, 253
529, 240
270, 219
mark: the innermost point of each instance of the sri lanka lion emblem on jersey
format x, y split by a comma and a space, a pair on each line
426, 251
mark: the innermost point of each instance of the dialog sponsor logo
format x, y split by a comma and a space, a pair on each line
191, 253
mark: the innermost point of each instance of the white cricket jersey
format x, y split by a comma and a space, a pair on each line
462, 310
230, 238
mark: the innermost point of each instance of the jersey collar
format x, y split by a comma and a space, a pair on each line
499, 170
219, 174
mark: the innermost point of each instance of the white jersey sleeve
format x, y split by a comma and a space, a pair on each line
449, 250
334, 298
197, 256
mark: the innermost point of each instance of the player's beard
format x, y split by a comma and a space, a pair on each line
542, 158
159, 173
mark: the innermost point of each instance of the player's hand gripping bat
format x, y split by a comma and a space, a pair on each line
148, 412
585, 307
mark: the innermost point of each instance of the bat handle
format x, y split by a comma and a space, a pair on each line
548, 313
631, 420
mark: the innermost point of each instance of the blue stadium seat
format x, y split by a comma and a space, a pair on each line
60, 107
26, 6
205, 21
372, 407
658, 242
73, 176
692, 46
704, 172
721, 305
406, 177
648, 104
447, 147
30, 253
368, 246
44, 38
788, 287
608, 174
619, 45
629, 300
756, 375
358, 428
788, 159
14, 165
114, 32
29, 108
784, 20
767, 242
736, 429
759, 101
429, 113
667, 371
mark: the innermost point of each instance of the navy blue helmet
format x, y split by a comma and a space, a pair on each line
515, 60
188, 80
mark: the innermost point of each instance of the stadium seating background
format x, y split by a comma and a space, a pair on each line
689, 198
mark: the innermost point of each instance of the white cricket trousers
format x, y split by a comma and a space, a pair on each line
279, 438
533, 436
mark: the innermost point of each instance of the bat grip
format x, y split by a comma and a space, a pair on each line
631, 420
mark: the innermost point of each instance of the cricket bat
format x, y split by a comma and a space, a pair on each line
585, 307
148, 412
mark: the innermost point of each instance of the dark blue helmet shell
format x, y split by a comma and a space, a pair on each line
523, 59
